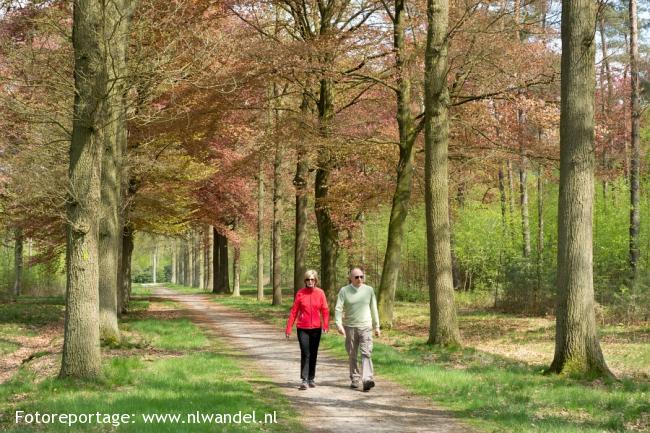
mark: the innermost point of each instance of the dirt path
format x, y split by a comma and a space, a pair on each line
332, 406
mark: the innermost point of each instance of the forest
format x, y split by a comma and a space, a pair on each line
482, 162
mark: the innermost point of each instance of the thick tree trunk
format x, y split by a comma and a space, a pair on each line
300, 184
260, 233
327, 231
577, 349
402, 195
81, 354
18, 262
635, 160
118, 18
277, 222
443, 328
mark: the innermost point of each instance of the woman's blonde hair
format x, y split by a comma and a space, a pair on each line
312, 274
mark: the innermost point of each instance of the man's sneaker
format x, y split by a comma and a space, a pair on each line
354, 384
303, 385
312, 384
368, 384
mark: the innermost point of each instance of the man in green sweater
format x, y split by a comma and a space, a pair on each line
356, 316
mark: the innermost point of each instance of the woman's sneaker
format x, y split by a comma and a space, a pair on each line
368, 384
354, 384
303, 385
312, 384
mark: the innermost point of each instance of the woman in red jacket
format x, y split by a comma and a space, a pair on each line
308, 306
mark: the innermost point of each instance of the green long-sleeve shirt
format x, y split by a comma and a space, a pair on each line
356, 307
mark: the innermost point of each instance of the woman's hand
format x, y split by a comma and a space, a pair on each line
287, 335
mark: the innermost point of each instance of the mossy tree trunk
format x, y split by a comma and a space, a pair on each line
443, 329
577, 349
81, 354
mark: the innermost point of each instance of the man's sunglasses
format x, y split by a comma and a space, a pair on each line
358, 277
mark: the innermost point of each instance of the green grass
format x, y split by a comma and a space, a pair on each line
178, 371
492, 392
7, 346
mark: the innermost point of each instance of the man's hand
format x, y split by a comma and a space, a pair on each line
341, 330
377, 332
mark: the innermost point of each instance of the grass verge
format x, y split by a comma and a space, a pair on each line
166, 365
493, 392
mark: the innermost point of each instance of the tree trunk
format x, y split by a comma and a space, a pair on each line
173, 248
127, 253
635, 160
191, 253
209, 239
402, 195
260, 233
327, 231
511, 202
236, 269
502, 195
200, 257
540, 233
18, 262
220, 264
223, 265
523, 190
81, 354
443, 328
116, 38
154, 267
300, 183
277, 221
577, 349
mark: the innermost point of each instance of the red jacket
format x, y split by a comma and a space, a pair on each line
308, 306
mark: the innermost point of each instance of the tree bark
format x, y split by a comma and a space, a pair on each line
127, 253
277, 220
236, 269
18, 262
300, 184
540, 233
191, 253
260, 232
443, 328
81, 354
635, 160
402, 195
511, 201
577, 349
502, 196
209, 239
174, 264
154, 267
523, 190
